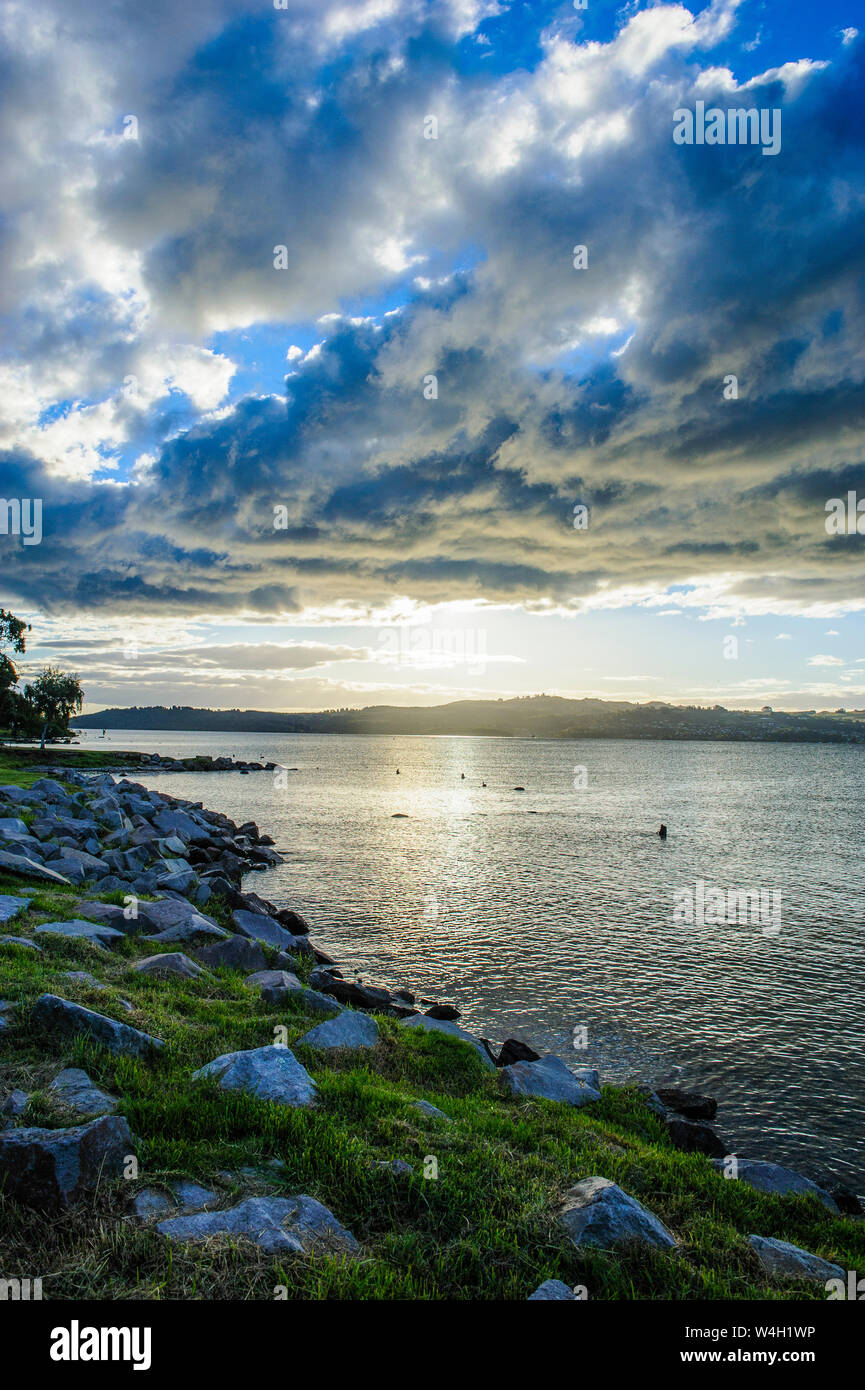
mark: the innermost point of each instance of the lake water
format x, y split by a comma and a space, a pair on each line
554, 908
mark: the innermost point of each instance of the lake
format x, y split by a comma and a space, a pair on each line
558, 908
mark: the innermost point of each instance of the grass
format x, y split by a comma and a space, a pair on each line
482, 1228
23, 766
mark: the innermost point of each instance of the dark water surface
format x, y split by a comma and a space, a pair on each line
553, 908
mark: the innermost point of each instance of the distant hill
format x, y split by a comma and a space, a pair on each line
535, 716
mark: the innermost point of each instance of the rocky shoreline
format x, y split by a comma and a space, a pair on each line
166, 861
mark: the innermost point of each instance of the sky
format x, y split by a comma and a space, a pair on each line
323, 407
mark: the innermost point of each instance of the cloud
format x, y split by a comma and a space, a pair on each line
409, 257
825, 661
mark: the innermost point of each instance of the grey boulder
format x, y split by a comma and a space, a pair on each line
166, 913
27, 868
271, 1073
235, 953
186, 1196
171, 964
259, 927
56, 1015
272, 979
599, 1214
310, 1000
52, 1168
348, 1029
787, 1261
549, 1079
278, 1225
74, 1089
431, 1112
10, 906
78, 930
13, 828
552, 1291
783, 1182
179, 824
193, 928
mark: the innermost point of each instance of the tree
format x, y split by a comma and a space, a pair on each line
12, 636
55, 696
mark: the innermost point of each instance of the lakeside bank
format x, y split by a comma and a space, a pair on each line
439, 1174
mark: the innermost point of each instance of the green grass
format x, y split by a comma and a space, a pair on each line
484, 1228
24, 766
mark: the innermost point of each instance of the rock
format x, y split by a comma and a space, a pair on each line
396, 1167
169, 964
599, 1214
846, 1201
191, 929
653, 1101
17, 864
771, 1177
179, 824
348, 1029
292, 921
552, 1291
405, 995
108, 913
279, 1225
10, 906
19, 941
445, 1011
274, 997
237, 953
83, 977
695, 1138
73, 1020
12, 828
152, 1201
431, 1112
15, 1104
78, 930
50, 790
172, 847
177, 882
78, 861
783, 1260
453, 1030
185, 1195
267, 930
18, 795
270, 1073
549, 1079
166, 913
272, 979
512, 1050
7, 1009
74, 1089
688, 1103
52, 1168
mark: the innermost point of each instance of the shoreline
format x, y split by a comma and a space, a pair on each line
184, 870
